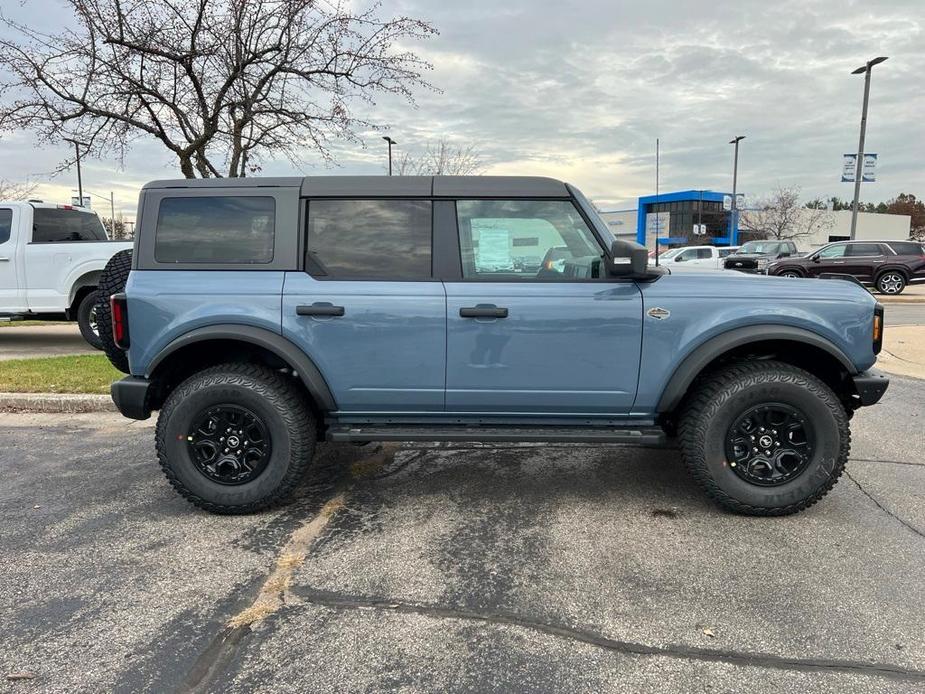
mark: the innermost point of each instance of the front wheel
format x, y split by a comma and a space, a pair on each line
891, 282
235, 438
793, 274
764, 438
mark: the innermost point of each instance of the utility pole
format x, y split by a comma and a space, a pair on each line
733, 227
658, 222
859, 164
80, 185
391, 142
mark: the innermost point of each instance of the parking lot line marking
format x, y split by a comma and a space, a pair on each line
763, 660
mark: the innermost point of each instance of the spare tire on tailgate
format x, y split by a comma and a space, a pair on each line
112, 281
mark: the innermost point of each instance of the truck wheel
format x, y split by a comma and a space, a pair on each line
112, 281
764, 438
235, 438
87, 312
891, 282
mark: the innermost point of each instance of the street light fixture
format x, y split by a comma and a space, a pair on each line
391, 142
80, 185
735, 176
859, 164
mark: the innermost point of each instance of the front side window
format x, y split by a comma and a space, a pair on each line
511, 240
836, 250
215, 229
6, 224
369, 239
53, 224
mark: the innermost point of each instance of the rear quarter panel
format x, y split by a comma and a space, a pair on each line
166, 304
705, 305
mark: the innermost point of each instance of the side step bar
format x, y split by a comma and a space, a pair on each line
649, 436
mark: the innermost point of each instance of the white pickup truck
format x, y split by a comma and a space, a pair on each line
695, 257
51, 257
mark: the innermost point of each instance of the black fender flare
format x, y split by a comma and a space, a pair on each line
306, 369
702, 355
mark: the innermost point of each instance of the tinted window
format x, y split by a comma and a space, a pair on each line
525, 240
218, 229
703, 254
51, 224
863, 249
6, 224
370, 239
899, 247
836, 250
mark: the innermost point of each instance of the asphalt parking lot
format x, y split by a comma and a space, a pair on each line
457, 569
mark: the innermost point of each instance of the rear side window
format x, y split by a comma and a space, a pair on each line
369, 239
861, 249
6, 225
215, 229
899, 247
50, 225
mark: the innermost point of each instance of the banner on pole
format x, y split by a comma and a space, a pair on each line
868, 171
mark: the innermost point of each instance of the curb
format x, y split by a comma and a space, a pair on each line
63, 403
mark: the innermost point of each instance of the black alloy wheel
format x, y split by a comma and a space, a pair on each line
769, 445
229, 444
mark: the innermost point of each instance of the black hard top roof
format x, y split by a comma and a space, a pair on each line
389, 186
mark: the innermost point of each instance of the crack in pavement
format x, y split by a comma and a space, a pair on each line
335, 600
884, 508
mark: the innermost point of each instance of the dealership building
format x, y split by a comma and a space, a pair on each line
688, 216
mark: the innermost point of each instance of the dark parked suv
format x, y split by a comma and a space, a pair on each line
887, 265
755, 256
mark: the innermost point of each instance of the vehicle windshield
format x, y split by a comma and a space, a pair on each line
670, 253
759, 247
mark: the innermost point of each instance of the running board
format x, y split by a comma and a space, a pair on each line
648, 436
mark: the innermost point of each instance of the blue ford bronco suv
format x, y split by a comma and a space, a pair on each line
262, 315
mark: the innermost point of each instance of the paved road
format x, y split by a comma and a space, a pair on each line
42, 341
905, 314
502, 569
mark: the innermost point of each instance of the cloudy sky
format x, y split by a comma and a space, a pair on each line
580, 90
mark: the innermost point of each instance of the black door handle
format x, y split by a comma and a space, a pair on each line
483, 312
320, 310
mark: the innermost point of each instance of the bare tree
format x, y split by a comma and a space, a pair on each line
441, 159
781, 216
221, 84
10, 190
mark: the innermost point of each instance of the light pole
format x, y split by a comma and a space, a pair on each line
80, 185
391, 142
859, 165
112, 210
735, 179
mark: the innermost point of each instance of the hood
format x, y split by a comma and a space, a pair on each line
764, 288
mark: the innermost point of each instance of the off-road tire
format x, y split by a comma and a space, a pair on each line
112, 281
721, 396
263, 391
891, 282
85, 318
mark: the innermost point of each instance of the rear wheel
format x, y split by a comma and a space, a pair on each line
891, 282
87, 320
235, 438
764, 438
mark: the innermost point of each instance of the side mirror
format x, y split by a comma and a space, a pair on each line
628, 259
680, 259
815, 258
